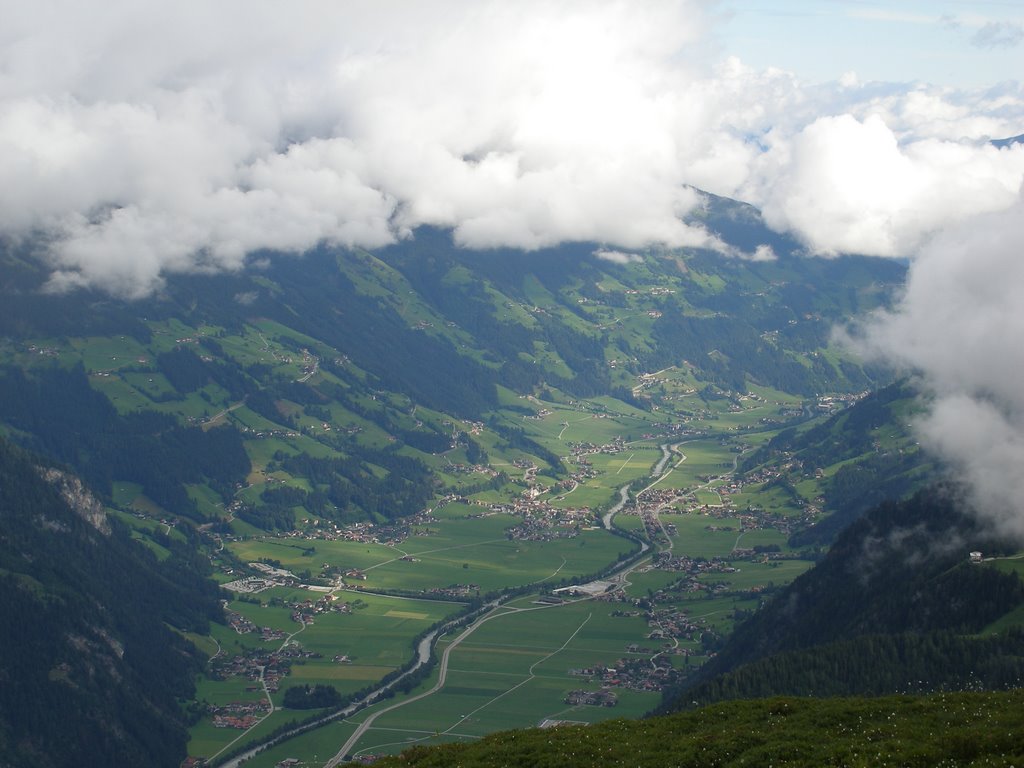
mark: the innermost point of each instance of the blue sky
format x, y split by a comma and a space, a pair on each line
961, 44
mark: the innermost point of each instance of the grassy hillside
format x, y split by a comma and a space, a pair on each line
953, 729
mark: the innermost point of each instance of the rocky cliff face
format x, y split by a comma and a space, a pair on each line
77, 497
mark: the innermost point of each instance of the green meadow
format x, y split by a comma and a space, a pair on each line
454, 551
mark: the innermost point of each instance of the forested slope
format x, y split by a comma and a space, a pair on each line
92, 672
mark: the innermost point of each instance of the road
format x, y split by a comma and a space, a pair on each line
423, 656
441, 677
212, 421
312, 371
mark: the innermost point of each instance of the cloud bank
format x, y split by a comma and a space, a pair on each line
142, 139
959, 327
152, 138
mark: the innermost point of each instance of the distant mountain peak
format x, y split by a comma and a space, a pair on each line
1007, 142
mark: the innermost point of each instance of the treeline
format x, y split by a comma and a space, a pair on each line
187, 372
92, 670
354, 489
874, 665
29, 312
427, 440
64, 418
428, 263
845, 435
861, 485
311, 697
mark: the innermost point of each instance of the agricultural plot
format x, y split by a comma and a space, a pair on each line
700, 535
474, 551
634, 462
749, 575
593, 493
497, 563
772, 498
292, 553
515, 671
707, 498
704, 459
129, 496
109, 353
120, 393
317, 746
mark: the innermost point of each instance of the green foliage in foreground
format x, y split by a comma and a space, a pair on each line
942, 729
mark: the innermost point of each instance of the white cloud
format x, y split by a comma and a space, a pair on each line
849, 186
763, 253
617, 257
154, 138
957, 328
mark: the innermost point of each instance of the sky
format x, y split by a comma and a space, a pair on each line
141, 139
971, 44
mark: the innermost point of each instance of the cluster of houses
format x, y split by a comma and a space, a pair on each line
635, 673
617, 445
455, 591
540, 415
258, 434
540, 521
258, 665
306, 611
584, 471
365, 532
753, 518
239, 714
249, 584
244, 626
251, 665
692, 566
670, 622
458, 468
43, 351
601, 698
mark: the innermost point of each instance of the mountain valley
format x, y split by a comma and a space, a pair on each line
585, 467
